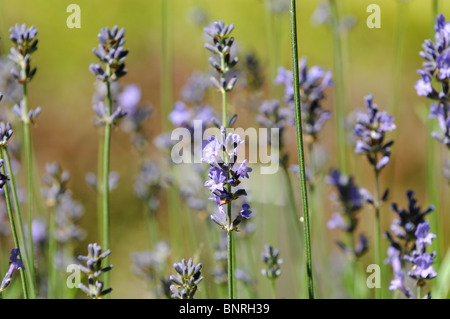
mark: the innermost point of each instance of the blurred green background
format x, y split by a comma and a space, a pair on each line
63, 87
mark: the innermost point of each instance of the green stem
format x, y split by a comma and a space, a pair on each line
273, 288
301, 156
100, 184
339, 85
419, 292
293, 245
230, 237
28, 157
51, 256
26, 260
14, 233
166, 64
378, 231
106, 163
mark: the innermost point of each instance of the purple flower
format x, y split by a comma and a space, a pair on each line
224, 175
245, 211
423, 268
349, 195
370, 130
243, 170
409, 219
423, 234
313, 83
217, 178
130, 98
180, 114
337, 221
437, 67
110, 51
212, 152
14, 264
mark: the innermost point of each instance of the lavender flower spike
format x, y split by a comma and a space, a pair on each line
370, 129
14, 264
184, 284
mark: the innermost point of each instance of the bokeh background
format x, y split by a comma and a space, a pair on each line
63, 87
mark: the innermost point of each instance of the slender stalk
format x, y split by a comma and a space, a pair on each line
51, 256
106, 163
273, 288
419, 292
28, 160
297, 233
301, 156
378, 231
339, 85
26, 259
166, 64
433, 166
100, 184
14, 233
230, 238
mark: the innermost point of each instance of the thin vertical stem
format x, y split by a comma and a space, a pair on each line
339, 85
230, 238
433, 167
166, 65
273, 288
51, 255
28, 159
106, 162
26, 258
14, 233
378, 231
301, 156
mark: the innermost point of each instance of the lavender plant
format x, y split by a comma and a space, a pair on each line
349, 200
221, 154
24, 44
434, 84
272, 260
15, 264
413, 252
63, 231
184, 284
112, 55
301, 156
94, 270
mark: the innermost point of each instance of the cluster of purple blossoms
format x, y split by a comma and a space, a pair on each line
14, 264
412, 235
94, 270
405, 226
221, 45
110, 52
370, 129
349, 199
437, 68
225, 174
271, 257
313, 83
24, 44
184, 284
